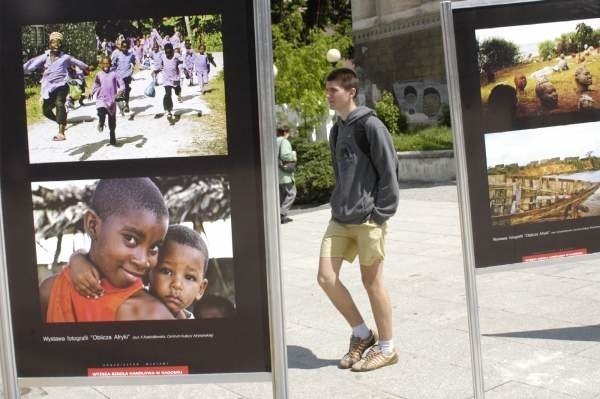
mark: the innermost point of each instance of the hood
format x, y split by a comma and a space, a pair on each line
357, 114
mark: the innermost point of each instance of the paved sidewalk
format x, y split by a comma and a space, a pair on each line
540, 324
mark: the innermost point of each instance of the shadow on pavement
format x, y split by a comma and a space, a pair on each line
583, 333
76, 120
88, 150
138, 110
182, 111
302, 358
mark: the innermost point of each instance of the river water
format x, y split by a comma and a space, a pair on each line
593, 202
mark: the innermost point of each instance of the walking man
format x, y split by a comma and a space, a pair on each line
364, 198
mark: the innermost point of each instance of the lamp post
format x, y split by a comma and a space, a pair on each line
333, 56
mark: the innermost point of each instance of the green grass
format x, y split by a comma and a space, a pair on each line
564, 81
215, 97
431, 138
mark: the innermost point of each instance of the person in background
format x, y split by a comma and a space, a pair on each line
287, 186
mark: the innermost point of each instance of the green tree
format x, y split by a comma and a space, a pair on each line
302, 68
583, 35
565, 44
498, 53
390, 114
547, 49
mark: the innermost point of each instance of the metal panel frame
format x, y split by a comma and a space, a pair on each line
278, 374
456, 5
9, 365
266, 113
462, 181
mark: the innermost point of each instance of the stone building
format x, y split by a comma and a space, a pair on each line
398, 48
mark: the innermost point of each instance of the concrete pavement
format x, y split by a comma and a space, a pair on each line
540, 332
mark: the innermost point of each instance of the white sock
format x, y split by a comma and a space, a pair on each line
387, 347
361, 331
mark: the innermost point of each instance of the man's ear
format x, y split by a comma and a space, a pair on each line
92, 224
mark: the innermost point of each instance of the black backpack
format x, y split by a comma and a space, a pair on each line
361, 139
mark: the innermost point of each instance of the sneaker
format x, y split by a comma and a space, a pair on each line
179, 99
374, 359
356, 349
286, 219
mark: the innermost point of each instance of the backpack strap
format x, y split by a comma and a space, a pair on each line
360, 135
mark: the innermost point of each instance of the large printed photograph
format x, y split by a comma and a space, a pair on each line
134, 249
543, 175
531, 72
125, 89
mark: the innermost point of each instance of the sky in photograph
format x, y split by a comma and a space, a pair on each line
527, 35
524, 146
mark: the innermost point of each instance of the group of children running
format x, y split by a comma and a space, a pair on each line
170, 60
137, 267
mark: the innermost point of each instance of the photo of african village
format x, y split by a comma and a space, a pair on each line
536, 70
545, 174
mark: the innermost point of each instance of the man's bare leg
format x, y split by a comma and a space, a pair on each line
372, 278
328, 278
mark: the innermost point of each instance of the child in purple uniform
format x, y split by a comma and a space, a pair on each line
202, 63
107, 87
156, 61
54, 81
170, 69
123, 61
188, 62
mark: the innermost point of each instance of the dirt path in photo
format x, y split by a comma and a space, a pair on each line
143, 133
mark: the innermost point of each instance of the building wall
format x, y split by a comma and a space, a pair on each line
398, 48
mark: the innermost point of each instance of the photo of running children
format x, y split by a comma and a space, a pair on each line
125, 89
134, 249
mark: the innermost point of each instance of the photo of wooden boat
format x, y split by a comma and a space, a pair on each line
525, 199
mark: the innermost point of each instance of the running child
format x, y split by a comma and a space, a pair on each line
178, 280
156, 57
202, 63
123, 62
54, 81
171, 81
107, 87
188, 62
127, 222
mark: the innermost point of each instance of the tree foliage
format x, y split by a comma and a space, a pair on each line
390, 114
79, 40
547, 49
583, 36
302, 68
565, 44
315, 14
498, 53
203, 28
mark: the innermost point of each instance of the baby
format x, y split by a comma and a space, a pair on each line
178, 279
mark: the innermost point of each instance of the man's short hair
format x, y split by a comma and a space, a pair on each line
185, 236
347, 78
121, 196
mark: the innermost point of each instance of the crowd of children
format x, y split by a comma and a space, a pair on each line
170, 59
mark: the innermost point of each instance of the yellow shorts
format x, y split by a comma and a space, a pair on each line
348, 240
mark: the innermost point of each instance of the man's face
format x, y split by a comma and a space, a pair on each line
338, 97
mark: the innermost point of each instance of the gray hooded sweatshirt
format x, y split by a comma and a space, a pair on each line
366, 188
